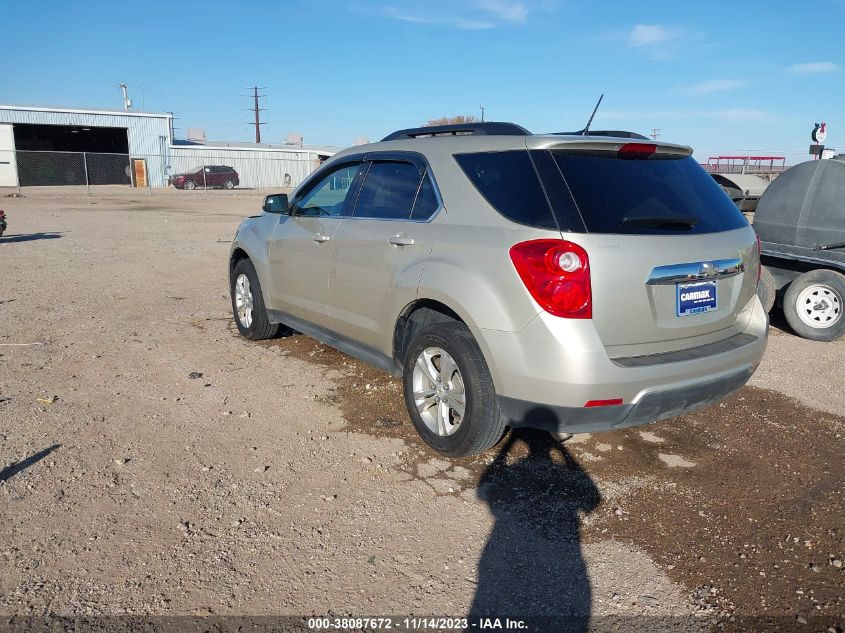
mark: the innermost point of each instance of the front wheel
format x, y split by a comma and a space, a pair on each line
449, 392
814, 305
248, 303
189, 185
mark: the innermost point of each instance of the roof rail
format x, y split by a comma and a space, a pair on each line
460, 129
614, 133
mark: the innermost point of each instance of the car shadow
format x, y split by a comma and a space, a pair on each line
532, 565
29, 237
14, 469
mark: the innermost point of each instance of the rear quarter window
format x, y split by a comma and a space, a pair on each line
508, 181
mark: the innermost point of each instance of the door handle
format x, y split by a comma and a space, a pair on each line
401, 240
320, 238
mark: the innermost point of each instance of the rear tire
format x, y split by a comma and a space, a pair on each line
449, 392
248, 303
228, 184
814, 305
766, 289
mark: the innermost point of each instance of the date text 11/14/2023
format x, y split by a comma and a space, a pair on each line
416, 624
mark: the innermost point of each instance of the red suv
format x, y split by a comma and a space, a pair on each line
206, 176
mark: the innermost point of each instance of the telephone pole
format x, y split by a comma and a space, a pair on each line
257, 110
482, 113
655, 132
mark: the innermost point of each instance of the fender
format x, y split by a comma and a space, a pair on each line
452, 283
251, 238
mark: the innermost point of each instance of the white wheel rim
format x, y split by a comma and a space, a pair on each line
439, 393
819, 306
243, 300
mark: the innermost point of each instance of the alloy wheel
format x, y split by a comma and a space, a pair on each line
439, 393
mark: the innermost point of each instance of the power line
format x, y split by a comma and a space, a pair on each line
655, 132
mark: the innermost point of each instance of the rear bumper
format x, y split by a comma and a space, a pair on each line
653, 406
546, 373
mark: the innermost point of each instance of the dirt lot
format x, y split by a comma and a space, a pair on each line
154, 463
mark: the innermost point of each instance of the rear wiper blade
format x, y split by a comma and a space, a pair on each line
829, 247
661, 222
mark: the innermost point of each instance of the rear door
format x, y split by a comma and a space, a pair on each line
379, 251
672, 259
218, 175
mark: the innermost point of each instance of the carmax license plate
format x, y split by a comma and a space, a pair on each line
695, 298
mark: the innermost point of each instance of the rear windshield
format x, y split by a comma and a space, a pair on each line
598, 193
651, 196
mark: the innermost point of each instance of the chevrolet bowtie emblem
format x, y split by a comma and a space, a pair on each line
708, 269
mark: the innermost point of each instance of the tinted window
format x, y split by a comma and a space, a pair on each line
508, 181
654, 196
426, 203
557, 193
389, 191
328, 195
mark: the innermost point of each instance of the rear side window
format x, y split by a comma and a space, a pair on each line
509, 183
646, 197
389, 191
426, 203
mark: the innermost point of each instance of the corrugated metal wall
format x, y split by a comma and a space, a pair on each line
149, 138
257, 167
148, 134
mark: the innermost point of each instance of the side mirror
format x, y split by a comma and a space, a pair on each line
276, 203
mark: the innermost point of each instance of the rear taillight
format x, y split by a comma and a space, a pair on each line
759, 260
557, 274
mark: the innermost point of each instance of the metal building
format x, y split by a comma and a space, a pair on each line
63, 146
66, 146
259, 165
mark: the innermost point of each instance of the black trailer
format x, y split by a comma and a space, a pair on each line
800, 220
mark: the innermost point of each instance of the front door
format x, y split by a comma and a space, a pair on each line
379, 251
300, 248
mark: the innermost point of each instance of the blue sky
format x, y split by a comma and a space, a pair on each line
720, 76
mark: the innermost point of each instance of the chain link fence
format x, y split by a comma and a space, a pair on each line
235, 172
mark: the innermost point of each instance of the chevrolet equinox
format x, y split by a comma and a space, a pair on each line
563, 282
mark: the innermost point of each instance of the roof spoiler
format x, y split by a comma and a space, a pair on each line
460, 129
613, 133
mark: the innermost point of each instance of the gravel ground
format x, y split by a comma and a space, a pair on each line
154, 463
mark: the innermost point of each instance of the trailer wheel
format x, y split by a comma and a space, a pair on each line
814, 305
766, 289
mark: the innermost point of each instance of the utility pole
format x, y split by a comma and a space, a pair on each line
655, 132
256, 109
482, 113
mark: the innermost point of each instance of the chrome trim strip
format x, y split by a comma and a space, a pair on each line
695, 271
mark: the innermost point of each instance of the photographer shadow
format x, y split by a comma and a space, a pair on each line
532, 565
